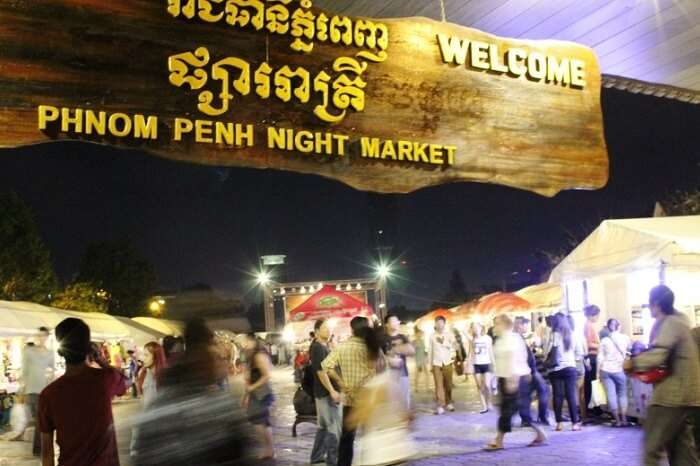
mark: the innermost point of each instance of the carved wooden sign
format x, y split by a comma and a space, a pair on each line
382, 105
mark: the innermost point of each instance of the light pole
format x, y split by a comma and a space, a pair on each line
263, 280
383, 272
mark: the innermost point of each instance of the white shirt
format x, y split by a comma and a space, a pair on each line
482, 349
567, 358
36, 362
610, 358
442, 348
510, 353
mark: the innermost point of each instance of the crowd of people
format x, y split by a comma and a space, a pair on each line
361, 389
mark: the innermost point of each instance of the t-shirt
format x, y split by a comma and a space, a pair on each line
318, 353
393, 341
79, 409
482, 349
610, 358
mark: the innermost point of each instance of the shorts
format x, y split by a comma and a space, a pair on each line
258, 412
482, 368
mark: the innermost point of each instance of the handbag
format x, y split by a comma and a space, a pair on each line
552, 360
652, 376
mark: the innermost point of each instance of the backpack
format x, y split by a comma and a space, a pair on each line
308, 379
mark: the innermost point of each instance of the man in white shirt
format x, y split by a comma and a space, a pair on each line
37, 371
511, 364
441, 356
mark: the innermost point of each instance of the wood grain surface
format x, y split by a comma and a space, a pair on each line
113, 55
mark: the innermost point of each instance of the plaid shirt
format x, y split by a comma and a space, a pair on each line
355, 367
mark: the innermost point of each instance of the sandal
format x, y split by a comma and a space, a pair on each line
484, 411
559, 427
576, 427
493, 447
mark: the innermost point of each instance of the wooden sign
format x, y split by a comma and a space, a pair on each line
382, 105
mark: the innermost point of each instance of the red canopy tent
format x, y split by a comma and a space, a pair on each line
329, 302
501, 303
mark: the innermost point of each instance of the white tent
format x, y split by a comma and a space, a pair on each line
544, 297
623, 246
21, 319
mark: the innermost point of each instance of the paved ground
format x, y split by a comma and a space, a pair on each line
453, 439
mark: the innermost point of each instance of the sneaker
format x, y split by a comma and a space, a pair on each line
439, 411
450, 407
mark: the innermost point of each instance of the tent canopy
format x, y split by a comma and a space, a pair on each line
164, 326
23, 319
623, 246
329, 302
545, 297
501, 303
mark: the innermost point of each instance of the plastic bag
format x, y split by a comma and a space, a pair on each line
598, 395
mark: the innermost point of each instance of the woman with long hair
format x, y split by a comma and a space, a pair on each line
482, 355
147, 382
258, 395
148, 377
564, 349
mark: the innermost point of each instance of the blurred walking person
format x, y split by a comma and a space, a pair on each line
351, 365
534, 383
258, 396
192, 421
37, 371
78, 405
421, 359
441, 355
614, 349
482, 355
562, 352
396, 348
668, 423
329, 412
511, 365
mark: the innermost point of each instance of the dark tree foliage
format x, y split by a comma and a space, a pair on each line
26, 271
123, 272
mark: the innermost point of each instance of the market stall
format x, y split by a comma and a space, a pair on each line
327, 303
617, 265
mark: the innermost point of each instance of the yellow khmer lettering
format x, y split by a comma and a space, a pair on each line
277, 17
225, 79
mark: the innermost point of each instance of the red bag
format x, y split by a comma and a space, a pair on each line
653, 376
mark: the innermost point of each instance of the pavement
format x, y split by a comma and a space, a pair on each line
451, 439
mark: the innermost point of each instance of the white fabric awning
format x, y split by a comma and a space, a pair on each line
18, 318
623, 246
544, 297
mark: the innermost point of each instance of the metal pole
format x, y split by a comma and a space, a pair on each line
269, 309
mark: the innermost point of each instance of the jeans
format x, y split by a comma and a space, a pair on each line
347, 441
616, 388
564, 386
527, 387
509, 406
669, 429
330, 422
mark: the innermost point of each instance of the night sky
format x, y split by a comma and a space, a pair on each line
208, 224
